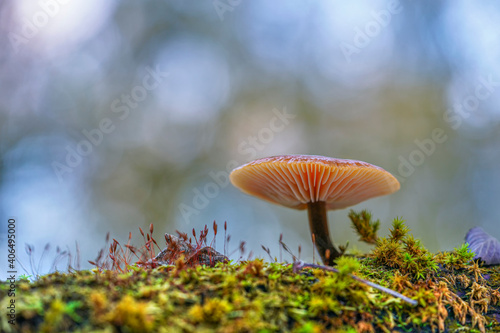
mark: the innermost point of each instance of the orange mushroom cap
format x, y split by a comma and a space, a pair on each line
295, 180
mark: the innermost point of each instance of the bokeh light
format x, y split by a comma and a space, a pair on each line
117, 114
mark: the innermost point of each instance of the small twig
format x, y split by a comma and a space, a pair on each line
298, 265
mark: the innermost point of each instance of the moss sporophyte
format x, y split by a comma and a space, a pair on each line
189, 291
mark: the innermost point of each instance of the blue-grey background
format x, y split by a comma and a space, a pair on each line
117, 114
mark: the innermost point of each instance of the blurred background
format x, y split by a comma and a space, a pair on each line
117, 114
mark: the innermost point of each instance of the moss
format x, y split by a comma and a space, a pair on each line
364, 226
453, 293
400, 250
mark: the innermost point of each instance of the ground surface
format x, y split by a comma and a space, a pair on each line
453, 292
246, 297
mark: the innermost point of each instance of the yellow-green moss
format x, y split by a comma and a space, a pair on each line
453, 294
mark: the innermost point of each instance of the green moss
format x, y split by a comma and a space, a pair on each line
457, 258
453, 294
364, 226
400, 250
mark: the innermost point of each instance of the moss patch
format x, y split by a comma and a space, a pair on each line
454, 294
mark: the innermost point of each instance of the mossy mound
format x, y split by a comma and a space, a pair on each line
253, 296
453, 293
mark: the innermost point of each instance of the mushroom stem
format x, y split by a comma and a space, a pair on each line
318, 223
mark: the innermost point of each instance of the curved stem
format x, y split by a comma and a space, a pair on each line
318, 223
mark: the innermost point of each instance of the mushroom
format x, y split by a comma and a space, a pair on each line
317, 183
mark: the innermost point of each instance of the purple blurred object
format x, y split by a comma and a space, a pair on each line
484, 246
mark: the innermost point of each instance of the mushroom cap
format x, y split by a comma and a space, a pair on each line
295, 180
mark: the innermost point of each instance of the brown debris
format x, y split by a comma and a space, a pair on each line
177, 247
